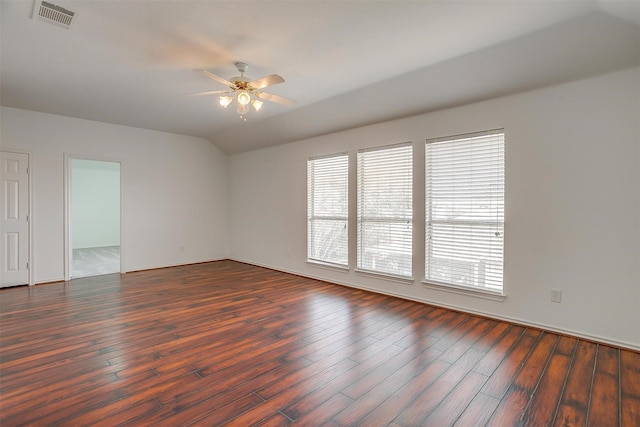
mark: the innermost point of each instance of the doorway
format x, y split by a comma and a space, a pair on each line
94, 207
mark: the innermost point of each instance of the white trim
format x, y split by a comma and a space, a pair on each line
465, 290
46, 281
123, 269
550, 328
182, 264
61, 279
67, 209
328, 266
465, 135
32, 236
328, 156
386, 146
385, 276
67, 218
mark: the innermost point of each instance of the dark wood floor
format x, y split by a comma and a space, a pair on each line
228, 343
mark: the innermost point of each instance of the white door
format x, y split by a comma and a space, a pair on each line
14, 197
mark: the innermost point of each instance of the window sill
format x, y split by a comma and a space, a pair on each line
328, 266
385, 276
478, 293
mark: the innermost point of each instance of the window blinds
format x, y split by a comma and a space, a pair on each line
327, 209
464, 190
385, 209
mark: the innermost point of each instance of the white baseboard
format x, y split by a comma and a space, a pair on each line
154, 267
145, 268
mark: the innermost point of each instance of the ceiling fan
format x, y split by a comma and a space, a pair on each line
245, 90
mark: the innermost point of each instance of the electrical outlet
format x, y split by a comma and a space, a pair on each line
556, 295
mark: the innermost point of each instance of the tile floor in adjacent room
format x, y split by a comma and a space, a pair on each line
95, 261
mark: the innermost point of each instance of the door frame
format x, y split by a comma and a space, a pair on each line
68, 256
30, 236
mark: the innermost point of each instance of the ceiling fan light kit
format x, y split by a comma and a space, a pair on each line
245, 91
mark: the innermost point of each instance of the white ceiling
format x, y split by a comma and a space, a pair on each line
347, 63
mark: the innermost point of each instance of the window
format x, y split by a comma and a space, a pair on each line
327, 205
385, 209
464, 190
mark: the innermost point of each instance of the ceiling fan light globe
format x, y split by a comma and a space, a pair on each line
256, 104
243, 97
225, 101
242, 109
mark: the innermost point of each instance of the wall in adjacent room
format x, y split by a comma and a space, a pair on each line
572, 210
174, 189
95, 204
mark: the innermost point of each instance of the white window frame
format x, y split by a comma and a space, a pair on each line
334, 165
464, 249
392, 254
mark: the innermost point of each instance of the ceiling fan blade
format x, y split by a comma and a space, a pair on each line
267, 81
211, 92
214, 77
275, 98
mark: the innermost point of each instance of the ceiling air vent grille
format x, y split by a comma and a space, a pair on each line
54, 14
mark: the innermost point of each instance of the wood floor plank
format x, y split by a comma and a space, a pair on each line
630, 388
396, 392
217, 403
274, 404
319, 367
456, 334
452, 406
543, 404
490, 339
360, 386
512, 406
478, 412
227, 343
276, 420
473, 334
121, 412
209, 412
578, 389
496, 353
307, 403
323, 412
427, 400
503, 376
604, 407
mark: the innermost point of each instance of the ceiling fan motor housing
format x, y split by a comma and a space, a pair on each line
241, 81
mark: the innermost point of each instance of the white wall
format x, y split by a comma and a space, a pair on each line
95, 204
572, 213
175, 188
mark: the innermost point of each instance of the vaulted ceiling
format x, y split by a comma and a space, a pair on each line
346, 63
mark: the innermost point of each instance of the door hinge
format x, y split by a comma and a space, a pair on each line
27, 218
27, 266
